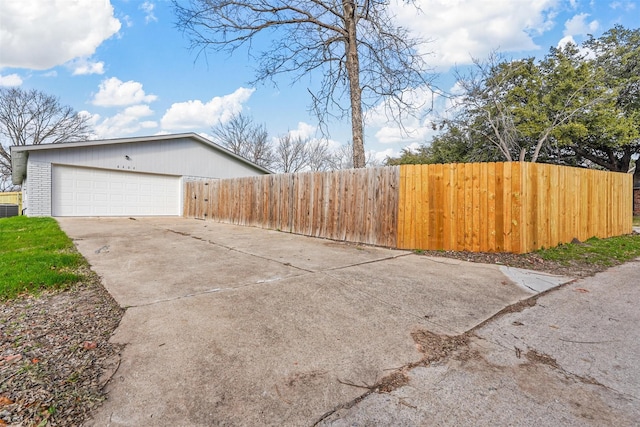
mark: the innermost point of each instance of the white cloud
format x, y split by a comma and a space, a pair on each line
138, 111
195, 114
422, 99
381, 156
565, 41
623, 5
578, 25
303, 131
149, 124
415, 125
126, 123
42, 34
10, 80
83, 66
114, 92
127, 21
462, 29
416, 131
147, 7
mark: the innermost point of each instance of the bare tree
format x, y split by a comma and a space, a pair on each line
291, 154
341, 158
296, 154
33, 117
319, 156
356, 45
245, 138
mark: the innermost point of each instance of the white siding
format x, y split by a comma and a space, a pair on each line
182, 156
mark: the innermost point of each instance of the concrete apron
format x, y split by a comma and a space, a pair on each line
242, 326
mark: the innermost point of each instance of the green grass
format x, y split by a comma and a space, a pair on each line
636, 220
35, 255
604, 252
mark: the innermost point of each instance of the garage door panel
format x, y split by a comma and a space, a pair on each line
80, 191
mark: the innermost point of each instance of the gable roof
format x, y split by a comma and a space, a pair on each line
19, 153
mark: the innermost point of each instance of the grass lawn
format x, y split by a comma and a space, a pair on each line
35, 255
636, 220
603, 252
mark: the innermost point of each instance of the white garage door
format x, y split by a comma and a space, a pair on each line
100, 192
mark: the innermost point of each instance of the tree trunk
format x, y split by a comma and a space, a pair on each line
353, 73
636, 175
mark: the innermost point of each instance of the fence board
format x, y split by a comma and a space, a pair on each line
491, 207
499, 207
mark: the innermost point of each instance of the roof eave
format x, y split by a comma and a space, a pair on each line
191, 135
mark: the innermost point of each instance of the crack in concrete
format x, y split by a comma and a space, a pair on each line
277, 279
366, 262
194, 294
424, 362
217, 290
230, 248
535, 356
345, 405
287, 264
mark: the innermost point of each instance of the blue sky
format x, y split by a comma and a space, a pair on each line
126, 65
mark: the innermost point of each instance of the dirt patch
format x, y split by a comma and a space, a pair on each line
392, 381
436, 347
55, 355
535, 357
530, 261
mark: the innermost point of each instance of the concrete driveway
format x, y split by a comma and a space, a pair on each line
231, 325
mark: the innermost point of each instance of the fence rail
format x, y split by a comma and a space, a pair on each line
14, 198
480, 207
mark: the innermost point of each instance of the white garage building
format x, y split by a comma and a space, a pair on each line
140, 176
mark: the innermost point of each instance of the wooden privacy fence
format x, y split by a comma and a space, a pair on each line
355, 205
14, 198
509, 207
480, 207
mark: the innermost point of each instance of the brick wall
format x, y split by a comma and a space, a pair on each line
636, 201
38, 200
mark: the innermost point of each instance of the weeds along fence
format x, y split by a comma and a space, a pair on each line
481, 207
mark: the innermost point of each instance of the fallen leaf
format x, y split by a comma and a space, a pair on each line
34, 361
4, 400
582, 290
89, 345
